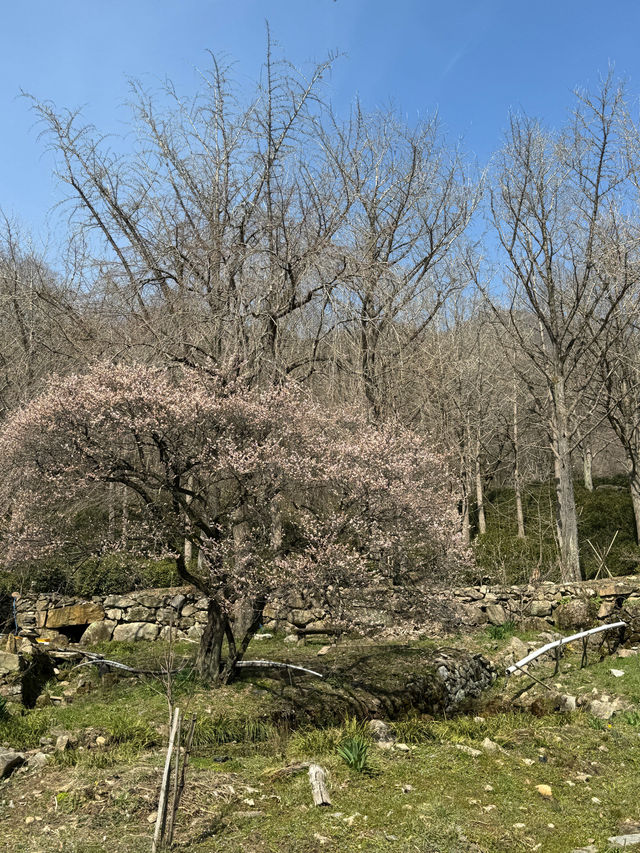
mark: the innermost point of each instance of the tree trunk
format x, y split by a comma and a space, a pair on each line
516, 472
482, 522
210, 651
587, 465
566, 516
634, 483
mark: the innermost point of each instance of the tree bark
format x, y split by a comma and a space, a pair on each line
516, 472
482, 521
587, 466
566, 516
209, 656
634, 483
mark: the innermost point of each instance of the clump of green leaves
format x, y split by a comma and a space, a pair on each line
354, 751
501, 632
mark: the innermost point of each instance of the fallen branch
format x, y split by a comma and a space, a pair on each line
289, 770
277, 665
317, 777
117, 665
561, 642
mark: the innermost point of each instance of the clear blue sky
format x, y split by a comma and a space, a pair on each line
474, 60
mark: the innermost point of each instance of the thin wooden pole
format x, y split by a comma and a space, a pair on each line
562, 642
177, 791
164, 787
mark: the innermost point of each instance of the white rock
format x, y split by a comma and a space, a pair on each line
625, 840
618, 673
474, 753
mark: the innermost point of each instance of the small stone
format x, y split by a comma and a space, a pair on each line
62, 743
101, 741
29, 820
488, 787
290, 639
489, 745
152, 817
263, 636
402, 747
617, 673
544, 791
519, 825
528, 761
406, 789
474, 753
324, 650
37, 760
380, 731
627, 653
596, 800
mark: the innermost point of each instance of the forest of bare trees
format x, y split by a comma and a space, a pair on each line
264, 239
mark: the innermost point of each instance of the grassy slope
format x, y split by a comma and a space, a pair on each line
432, 798
505, 558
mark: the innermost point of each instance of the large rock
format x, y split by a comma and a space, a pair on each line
83, 613
575, 614
98, 632
9, 760
139, 613
132, 631
540, 608
9, 663
496, 614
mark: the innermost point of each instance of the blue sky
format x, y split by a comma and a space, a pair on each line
473, 60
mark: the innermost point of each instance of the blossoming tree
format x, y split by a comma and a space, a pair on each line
273, 491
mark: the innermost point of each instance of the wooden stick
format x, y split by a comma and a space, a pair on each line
168, 834
561, 642
164, 787
177, 793
317, 777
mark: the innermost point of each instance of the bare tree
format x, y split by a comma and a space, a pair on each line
551, 195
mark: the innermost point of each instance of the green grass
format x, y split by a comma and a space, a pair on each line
433, 797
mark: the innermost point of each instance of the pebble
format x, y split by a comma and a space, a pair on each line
618, 673
474, 753
544, 791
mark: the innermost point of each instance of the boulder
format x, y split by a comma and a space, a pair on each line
575, 614
195, 632
98, 632
131, 631
380, 732
139, 613
83, 613
9, 663
496, 614
540, 608
173, 635
9, 760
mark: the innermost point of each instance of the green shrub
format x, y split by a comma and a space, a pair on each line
354, 751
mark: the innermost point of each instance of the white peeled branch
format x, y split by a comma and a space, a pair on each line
561, 642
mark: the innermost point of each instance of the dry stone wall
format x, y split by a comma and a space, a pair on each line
386, 611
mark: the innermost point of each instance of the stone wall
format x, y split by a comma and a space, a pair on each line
386, 611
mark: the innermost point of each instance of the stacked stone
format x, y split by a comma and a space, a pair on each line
150, 614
